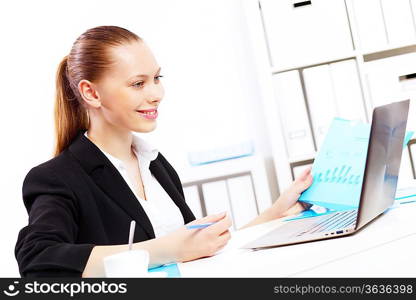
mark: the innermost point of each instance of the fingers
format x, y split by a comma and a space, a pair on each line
220, 227
305, 173
223, 239
308, 181
295, 209
208, 219
304, 181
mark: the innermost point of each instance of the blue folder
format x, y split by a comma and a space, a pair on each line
338, 169
171, 269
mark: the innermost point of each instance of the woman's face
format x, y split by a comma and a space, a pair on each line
131, 85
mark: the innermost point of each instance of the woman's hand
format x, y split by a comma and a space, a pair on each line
189, 244
287, 204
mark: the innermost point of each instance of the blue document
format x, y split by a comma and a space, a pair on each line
338, 169
171, 269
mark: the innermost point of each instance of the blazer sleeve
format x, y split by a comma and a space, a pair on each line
47, 246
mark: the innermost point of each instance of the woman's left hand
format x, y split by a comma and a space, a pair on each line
287, 204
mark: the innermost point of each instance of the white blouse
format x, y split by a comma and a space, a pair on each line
163, 213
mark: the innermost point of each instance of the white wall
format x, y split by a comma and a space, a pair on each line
209, 81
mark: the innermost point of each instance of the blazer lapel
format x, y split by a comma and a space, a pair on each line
114, 185
107, 177
163, 177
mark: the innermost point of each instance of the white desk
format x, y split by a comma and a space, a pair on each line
393, 259
384, 247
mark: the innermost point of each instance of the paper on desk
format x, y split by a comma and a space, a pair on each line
227, 261
338, 169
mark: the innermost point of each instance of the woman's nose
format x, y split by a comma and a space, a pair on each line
156, 93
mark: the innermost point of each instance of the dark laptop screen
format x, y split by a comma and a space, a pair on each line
384, 154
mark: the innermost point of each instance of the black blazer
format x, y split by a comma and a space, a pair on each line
78, 200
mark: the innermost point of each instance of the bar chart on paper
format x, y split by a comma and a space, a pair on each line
338, 169
339, 175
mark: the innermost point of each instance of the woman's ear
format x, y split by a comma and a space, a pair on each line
89, 94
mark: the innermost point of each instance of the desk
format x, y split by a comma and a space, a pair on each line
385, 247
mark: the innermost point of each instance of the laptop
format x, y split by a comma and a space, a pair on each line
378, 188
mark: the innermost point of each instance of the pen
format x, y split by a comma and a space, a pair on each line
197, 226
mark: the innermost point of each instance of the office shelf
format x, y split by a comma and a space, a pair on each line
272, 58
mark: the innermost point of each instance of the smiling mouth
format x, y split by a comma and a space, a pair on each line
150, 113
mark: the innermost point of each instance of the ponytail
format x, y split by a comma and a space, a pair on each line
70, 115
88, 59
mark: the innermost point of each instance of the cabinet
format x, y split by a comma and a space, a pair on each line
238, 186
331, 58
306, 34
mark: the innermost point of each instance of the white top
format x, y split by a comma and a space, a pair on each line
163, 213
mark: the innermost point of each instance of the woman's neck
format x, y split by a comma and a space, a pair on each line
113, 141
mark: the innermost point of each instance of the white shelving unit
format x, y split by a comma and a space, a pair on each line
376, 38
238, 186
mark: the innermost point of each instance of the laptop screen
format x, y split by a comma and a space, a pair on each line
339, 168
383, 160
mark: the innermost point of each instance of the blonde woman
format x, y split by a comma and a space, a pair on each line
81, 202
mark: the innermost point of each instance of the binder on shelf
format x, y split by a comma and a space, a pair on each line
193, 200
392, 79
216, 198
242, 199
293, 113
306, 34
383, 81
332, 91
399, 21
321, 100
347, 89
370, 24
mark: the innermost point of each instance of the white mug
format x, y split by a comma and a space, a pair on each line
131, 263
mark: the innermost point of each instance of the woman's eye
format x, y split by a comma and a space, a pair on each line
141, 83
138, 84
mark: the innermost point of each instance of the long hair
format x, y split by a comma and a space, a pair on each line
88, 59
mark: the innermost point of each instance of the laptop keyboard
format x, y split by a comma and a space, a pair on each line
337, 220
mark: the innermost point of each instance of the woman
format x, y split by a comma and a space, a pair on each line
81, 202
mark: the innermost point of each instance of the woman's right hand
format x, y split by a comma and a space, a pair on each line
189, 244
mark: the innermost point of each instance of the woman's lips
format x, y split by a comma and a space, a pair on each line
149, 114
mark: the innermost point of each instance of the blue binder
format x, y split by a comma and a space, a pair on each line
338, 169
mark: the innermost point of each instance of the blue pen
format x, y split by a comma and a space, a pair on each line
197, 226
